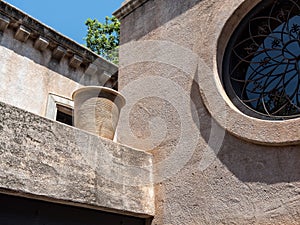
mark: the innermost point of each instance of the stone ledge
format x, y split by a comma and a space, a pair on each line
127, 7
44, 159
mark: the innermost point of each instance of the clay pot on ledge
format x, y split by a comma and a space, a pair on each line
97, 109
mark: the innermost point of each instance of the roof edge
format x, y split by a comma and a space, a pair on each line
127, 7
12, 17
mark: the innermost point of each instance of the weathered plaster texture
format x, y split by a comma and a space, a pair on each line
204, 172
26, 84
44, 159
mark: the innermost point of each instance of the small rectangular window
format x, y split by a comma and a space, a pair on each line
64, 114
60, 109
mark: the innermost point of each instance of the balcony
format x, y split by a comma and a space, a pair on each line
48, 160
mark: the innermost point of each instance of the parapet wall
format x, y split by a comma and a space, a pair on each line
47, 160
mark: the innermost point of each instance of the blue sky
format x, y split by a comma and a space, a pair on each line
68, 16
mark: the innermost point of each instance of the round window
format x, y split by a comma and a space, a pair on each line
261, 66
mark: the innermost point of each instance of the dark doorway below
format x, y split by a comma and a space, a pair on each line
23, 211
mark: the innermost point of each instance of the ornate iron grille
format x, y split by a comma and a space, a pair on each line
264, 60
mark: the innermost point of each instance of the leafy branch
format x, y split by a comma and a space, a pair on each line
104, 38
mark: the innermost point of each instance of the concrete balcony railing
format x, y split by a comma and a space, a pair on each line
47, 160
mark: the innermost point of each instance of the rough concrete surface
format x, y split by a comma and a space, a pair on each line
210, 166
49, 160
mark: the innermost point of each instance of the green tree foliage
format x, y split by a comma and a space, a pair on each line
103, 38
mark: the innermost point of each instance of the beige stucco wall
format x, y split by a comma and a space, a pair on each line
28, 75
26, 83
212, 164
48, 160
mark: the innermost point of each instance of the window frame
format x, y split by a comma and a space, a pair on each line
54, 103
220, 106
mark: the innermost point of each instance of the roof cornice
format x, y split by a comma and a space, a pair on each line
45, 37
127, 7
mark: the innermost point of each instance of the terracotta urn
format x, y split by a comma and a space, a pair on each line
97, 109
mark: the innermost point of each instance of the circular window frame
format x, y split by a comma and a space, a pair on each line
238, 63
221, 107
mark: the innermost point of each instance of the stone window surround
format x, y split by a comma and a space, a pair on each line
275, 133
52, 106
55, 100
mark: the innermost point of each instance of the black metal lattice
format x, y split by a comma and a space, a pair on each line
264, 65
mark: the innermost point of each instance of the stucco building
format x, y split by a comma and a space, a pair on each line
210, 131
43, 158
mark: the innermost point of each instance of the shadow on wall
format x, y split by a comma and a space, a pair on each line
265, 164
155, 13
247, 161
